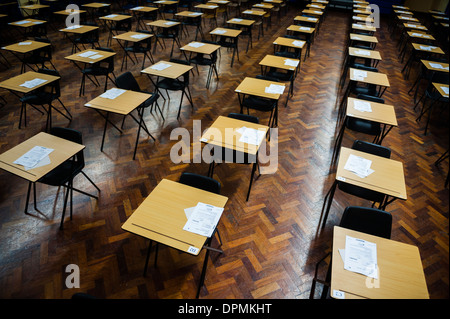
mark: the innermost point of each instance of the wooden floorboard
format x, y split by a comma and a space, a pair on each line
270, 243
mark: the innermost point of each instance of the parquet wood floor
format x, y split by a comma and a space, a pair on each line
270, 243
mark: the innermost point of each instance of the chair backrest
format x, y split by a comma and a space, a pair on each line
199, 181
126, 81
371, 148
73, 136
54, 86
370, 98
244, 117
186, 74
367, 220
109, 61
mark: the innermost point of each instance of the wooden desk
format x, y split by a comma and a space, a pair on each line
373, 57
442, 96
62, 151
295, 44
161, 218
21, 49
401, 274
96, 6
133, 37
305, 20
232, 35
427, 48
371, 40
388, 178
363, 27
200, 49
32, 7
375, 78
111, 20
174, 71
279, 62
123, 104
257, 87
77, 31
414, 26
407, 18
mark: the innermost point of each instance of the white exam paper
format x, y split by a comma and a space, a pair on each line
274, 89
358, 165
196, 44
31, 158
290, 62
298, 43
203, 219
250, 135
87, 54
160, 66
113, 93
33, 83
361, 257
362, 106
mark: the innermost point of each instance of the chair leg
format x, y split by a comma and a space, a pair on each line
251, 179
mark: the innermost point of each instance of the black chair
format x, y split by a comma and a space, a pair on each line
367, 220
359, 125
227, 155
261, 104
102, 68
200, 59
44, 96
119, 26
176, 85
126, 81
39, 57
89, 38
367, 194
64, 174
144, 47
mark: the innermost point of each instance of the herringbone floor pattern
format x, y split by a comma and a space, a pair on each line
270, 243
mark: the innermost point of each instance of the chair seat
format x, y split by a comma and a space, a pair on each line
363, 126
169, 84
96, 71
61, 174
281, 76
38, 98
287, 54
254, 102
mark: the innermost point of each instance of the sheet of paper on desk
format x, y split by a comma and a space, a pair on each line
359, 75
203, 219
31, 158
290, 62
33, 83
438, 66
359, 165
140, 36
25, 43
87, 54
113, 93
298, 43
250, 135
196, 44
362, 106
274, 89
445, 89
362, 52
160, 66
97, 56
361, 257
219, 31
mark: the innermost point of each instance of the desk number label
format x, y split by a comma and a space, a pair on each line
340, 178
338, 294
192, 250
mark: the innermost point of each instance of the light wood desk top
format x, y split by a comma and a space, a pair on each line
81, 30
439, 86
115, 17
35, 6
206, 48
232, 33
366, 54
174, 71
77, 58
219, 1
360, 11
20, 47
408, 18
263, 6
313, 12
278, 62
14, 83
401, 274
381, 113
274, 1
408, 25
434, 66
165, 2
375, 78
206, 6
440, 18
131, 36
223, 133
258, 13
420, 34
316, 6
427, 48
26, 23
436, 12
365, 38
403, 12
253, 86
63, 150
161, 217
388, 176
243, 22
143, 9
163, 23
400, 7
96, 5
359, 18
122, 104
302, 29
189, 14
363, 27
293, 43
306, 19
67, 13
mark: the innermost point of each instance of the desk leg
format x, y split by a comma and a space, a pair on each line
205, 264
327, 202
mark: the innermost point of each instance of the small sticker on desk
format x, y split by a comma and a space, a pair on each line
338, 294
193, 250
340, 178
